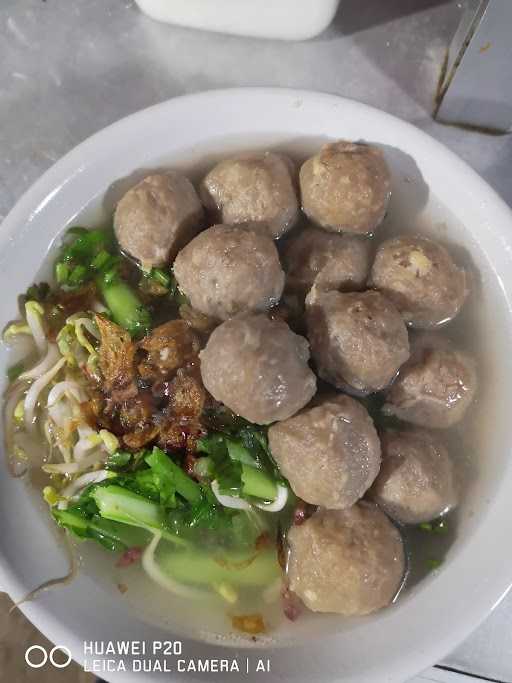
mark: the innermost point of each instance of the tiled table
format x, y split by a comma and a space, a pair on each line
68, 68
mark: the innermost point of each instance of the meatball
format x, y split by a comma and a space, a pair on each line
329, 261
258, 368
346, 187
347, 561
253, 187
227, 270
434, 389
416, 482
157, 217
421, 279
330, 453
357, 339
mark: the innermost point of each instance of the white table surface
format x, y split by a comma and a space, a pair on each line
70, 67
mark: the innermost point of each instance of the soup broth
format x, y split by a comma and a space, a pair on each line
210, 616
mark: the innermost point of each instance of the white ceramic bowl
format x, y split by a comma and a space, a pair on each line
432, 190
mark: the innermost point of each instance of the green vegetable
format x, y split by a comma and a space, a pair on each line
258, 484
168, 475
203, 467
120, 505
241, 463
144, 483
239, 453
209, 523
227, 471
118, 460
112, 535
14, 371
235, 568
127, 310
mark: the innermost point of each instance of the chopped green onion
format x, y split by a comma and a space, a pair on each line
62, 273
101, 259
77, 275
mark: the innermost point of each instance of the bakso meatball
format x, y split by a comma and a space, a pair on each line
434, 389
253, 187
358, 339
421, 279
258, 368
327, 260
416, 482
330, 453
347, 561
227, 270
157, 217
346, 187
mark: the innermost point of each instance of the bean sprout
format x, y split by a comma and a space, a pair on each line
51, 357
34, 315
278, 504
84, 480
154, 572
229, 501
33, 393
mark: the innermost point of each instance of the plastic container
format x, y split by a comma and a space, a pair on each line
283, 19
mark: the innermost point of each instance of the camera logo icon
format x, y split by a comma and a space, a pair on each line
37, 656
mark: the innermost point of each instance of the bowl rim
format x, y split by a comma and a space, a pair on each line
75, 162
